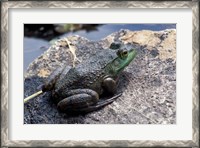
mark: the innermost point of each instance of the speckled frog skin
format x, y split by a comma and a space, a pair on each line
78, 89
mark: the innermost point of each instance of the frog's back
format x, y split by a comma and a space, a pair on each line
87, 74
94, 69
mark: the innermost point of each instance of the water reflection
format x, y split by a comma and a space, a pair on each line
32, 49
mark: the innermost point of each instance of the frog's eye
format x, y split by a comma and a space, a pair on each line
122, 53
125, 53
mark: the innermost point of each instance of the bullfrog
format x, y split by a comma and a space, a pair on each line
78, 89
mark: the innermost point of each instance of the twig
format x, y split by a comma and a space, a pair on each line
32, 96
72, 48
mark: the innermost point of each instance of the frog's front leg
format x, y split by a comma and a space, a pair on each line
109, 85
77, 99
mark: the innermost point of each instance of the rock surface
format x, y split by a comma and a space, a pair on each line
148, 83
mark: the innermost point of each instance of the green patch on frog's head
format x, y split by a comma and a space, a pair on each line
123, 59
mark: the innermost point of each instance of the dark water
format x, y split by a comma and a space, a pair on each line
34, 47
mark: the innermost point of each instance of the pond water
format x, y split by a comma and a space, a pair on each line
34, 47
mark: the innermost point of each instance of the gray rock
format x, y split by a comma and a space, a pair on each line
148, 83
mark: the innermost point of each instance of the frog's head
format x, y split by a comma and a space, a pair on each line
123, 59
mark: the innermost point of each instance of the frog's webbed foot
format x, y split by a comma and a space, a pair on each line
92, 107
99, 105
77, 99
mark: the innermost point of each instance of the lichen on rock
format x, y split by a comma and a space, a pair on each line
148, 83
